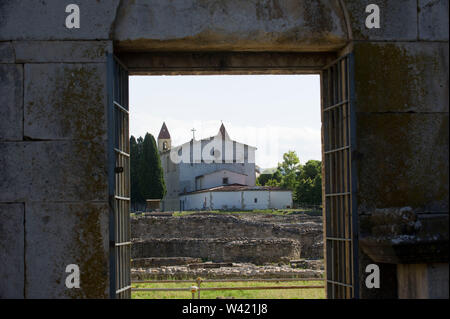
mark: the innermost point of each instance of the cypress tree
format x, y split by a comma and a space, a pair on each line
150, 175
135, 147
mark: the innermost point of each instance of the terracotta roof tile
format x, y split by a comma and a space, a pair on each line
237, 188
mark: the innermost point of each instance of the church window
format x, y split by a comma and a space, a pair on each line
225, 180
256, 200
165, 146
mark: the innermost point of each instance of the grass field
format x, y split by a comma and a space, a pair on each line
237, 294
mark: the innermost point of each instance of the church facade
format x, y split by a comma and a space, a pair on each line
198, 166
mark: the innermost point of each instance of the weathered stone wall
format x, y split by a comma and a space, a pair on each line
401, 100
308, 234
53, 145
256, 251
53, 177
233, 25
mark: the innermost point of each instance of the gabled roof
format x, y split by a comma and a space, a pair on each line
223, 132
164, 133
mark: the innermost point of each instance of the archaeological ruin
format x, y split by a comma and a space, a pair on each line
227, 241
63, 159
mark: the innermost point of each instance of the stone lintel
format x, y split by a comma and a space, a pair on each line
62, 51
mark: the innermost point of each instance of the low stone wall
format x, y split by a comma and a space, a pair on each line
306, 230
210, 226
256, 251
162, 261
246, 271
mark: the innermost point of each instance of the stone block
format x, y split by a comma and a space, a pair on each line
65, 101
388, 279
62, 51
46, 20
11, 251
59, 234
6, 52
438, 275
401, 77
193, 25
55, 171
402, 161
11, 102
68, 171
15, 172
433, 20
423, 281
398, 20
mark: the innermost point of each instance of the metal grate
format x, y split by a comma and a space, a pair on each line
339, 179
119, 180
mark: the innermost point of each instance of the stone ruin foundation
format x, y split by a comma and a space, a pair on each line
226, 246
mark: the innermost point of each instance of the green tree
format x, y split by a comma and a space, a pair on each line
263, 179
150, 175
135, 155
288, 170
305, 181
311, 169
309, 187
273, 183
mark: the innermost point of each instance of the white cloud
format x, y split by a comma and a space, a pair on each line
273, 113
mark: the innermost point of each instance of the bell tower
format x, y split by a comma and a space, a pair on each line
164, 140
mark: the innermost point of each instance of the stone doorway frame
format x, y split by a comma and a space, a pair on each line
250, 63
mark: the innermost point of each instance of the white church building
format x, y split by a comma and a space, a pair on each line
215, 173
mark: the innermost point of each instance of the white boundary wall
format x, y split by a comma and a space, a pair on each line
243, 200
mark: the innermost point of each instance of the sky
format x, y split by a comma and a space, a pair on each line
274, 113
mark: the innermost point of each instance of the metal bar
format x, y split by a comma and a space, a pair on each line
125, 243
121, 63
329, 65
340, 213
111, 175
160, 289
261, 288
122, 198
338, 194
339, 284
118, 137
329, 108
120, 107
354, 209
338, 239
337, 150
123, 289
264, 280
121, 152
